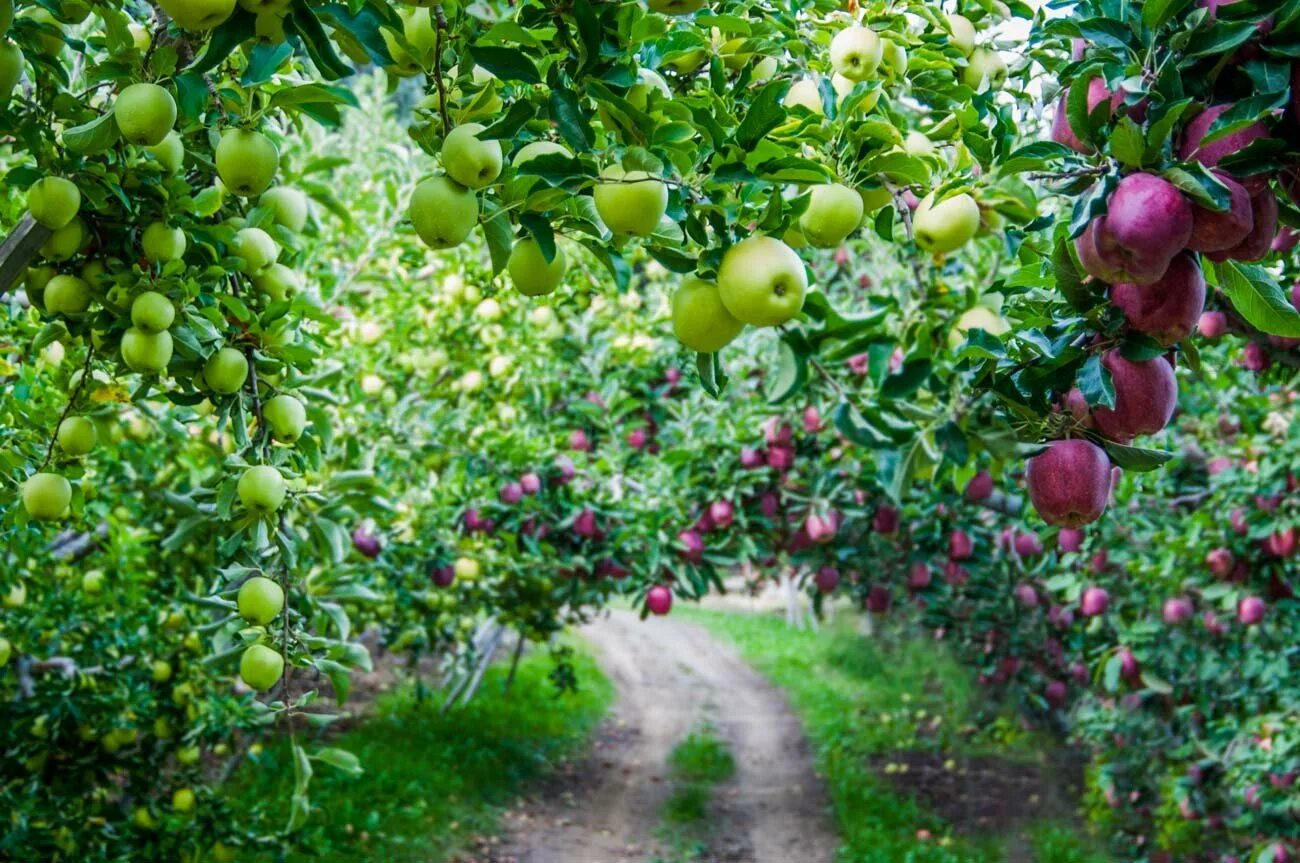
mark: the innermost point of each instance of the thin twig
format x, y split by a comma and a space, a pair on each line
72, 400
441, 22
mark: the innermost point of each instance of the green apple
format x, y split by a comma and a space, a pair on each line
531, 273
152, 312
247, 161
764, 70
733, 56
6, 651
71, 11
893, 60
261, 667
49, 34
263, 7
147, 353
874, 199
762, 281
467, 569
834, 211
260, 600
261, 489
286, 418
472, 162
225, 371
256, 248
533, 149
197, 14
11, 69
160, 670
977, 318
675, 7
161, 244
16, 597
35, 283
648, 81
985, 65
278, 282
53, 201
67, 295
169, 152
918, 144
630, 202
961, 34
46, 496
289, 206
77, 435
141, 38
145, 113
443, 212
700, 321
856, 52
93, 582
184, 801
806, 93
947, 225
482, 101
843, 87
65, 242
686, 62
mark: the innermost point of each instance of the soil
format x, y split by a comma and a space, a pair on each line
669, 678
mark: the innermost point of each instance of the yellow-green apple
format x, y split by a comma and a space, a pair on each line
77, 435
531, 273
278, 282
834, 211
152, 312
53, 201
288, 205
256, 248
261, 489
946, 225
977, 318
700, 321
985, 64
443, 212
161, 243
147, 353
247, 161
197, 14
286, 418
856, 52
893, 60
65, 242
843, 87
805, 93
261, 667
961, 34
260, 600
630, 202
11, 69
470, 160
918, 144
762, 281
46, 496
225, 371
67, 295
170, 152
144, 113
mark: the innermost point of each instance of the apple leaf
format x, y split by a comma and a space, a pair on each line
791, 374
500, 236
1068, 279
1135, 458
1195, 181
1127, 143
1157, 13
320, 48
1095, 383
1258, 298
765, 114
93, 137
712, 376
567, 113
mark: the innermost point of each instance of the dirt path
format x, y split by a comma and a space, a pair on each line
670, 676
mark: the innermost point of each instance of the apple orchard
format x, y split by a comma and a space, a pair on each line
326, 321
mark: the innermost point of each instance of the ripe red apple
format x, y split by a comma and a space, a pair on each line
1062, 131
1177, 610
821, 529
721, 513
1026, 595
1028, 545
1190, 147
1254, 358
1146, 393
1056, 694
637, 438
585, 525
1214, 231
659, 599
530, 483
960, 545
1250, 610
827, 579
1069, 483
885, 520
1094, 602
578, 441
1167, 309
1147, 222
954, 573
780, 458
1287, 238
691, 545
1213, 325
1070, 539
812, 420
879, 599
752, 458
1060, 616
511, 493
564, 466
1281, 543
443, 576
1129, 667
366, 543
919, 576
1259, 241
980, 487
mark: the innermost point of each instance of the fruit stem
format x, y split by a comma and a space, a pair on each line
440, 19
72, 400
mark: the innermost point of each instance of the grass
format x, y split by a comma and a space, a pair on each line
861, 699
432, 782
696, 765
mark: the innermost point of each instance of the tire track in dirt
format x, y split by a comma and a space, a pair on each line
670, 676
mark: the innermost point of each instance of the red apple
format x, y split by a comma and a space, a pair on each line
1069, 483
1146, 394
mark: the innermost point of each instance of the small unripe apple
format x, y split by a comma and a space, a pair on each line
985, 65
53, 201
470, 160
856, 52
261, 667
152, 312
286, 417
260, 600
762, 281
947, 225
961, 34
256, 248
630, 202
65, 242
531, 273
46, 496
467, 569
67, 295
184, 801
289, 205
700, 321
247, 161
161, 243
225, 371
262, 489
834, 211
170, 152
144, 113
443, 212
805, 93
77, 436
278, 282
147, 353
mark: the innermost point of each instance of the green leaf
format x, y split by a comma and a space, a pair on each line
508, 64
567, 114
1127, 143
765, 113
1157, 13
1136, 458
1069, 281
712, 377
1095, 383
499, 234
263, 60
791, 374
1196, 181
1258, 298
221, 43
93, 137
320, 48
854, 426
339, 759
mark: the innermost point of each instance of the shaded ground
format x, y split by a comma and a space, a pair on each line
606, 808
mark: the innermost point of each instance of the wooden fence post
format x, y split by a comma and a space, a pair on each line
18, 249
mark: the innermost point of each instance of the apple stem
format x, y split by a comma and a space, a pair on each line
441, 20
72, 400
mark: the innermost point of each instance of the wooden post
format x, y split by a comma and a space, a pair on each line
18, 249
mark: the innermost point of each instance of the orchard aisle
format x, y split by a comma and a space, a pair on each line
669, 677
